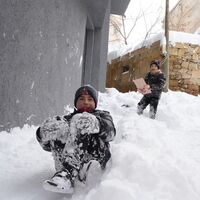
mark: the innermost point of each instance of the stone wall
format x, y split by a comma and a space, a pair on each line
184, 67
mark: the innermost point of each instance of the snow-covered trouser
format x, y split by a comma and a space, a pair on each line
86, 148
78, 150
144, 102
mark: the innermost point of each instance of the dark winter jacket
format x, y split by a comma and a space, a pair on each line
106, 134
156, 83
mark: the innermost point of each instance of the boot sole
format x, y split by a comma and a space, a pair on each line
51, 186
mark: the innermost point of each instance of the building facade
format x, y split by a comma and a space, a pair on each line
184, 67
49, 49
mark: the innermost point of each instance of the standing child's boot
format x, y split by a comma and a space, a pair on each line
153, 107
152, 114
139, 110
142, 105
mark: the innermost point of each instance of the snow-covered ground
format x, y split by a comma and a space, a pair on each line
151, 159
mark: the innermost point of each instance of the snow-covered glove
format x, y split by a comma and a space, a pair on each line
85, 123
55, 128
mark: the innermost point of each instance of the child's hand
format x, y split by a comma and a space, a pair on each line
85, 123
54, 128
145, 89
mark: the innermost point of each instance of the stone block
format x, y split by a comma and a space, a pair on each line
181, 52
179, 60
195, 81
186, 75
197, 50
187, 57
193, 46
195, 57
193, 66
179, 45
171, 67
193, 87
180, 82
185, 86
172, 76
187, 81
175, 75
189, 50
174, 88
173, 83
173, 51
178, 66
172, 58
182, 89
185, 64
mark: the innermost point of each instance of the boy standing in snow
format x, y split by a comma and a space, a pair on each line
155, 81
77, 141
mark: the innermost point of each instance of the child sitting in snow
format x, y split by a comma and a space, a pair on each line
155, 81
77, 141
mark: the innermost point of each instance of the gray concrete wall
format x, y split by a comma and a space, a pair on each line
103, 44
96, 49
48, 49
40, 58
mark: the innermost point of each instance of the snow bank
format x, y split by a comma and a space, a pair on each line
151, 159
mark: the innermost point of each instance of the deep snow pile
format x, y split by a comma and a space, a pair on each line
151, 159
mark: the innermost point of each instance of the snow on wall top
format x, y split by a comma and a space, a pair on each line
174, 37
184, 37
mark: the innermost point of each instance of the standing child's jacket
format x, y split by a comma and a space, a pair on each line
156, 83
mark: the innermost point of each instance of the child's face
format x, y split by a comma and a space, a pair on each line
154, 69
85, 102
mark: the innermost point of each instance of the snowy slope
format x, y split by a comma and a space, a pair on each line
151, 159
